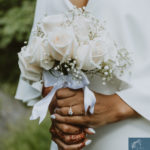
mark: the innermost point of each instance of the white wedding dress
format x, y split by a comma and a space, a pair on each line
128, 22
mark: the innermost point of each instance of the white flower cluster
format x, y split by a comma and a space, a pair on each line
72, 43
69, 66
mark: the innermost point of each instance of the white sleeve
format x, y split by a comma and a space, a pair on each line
130, 28
40, 11
25, 91
138, 97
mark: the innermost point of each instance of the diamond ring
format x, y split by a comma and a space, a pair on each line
70, 112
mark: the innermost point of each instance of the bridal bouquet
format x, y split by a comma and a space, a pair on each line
64, 49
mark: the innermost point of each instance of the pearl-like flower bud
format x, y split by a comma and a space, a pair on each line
106, 67
106, 73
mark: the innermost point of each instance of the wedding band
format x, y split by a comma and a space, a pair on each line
70, 112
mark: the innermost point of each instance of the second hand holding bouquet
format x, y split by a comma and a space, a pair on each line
64, 49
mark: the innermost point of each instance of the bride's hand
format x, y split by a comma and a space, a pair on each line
108, 109
69, 137
65, 135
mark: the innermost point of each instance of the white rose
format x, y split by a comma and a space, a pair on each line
62, 43
109, 46
28, 71
33, 58
86, 59
81, 28
81, 55
34, 51
98, 51
91, 55
111, 51
39, 52
51, 22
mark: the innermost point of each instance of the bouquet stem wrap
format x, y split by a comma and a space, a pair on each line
58, 81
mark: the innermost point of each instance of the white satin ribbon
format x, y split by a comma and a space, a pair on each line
59, 81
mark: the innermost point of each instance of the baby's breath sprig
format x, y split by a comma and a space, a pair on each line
105, 71
95, 28
25, 42
38, 31
68, 67
124, 61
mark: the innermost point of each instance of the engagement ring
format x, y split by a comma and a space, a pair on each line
70, 112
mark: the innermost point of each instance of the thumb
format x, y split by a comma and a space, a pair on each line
46, 90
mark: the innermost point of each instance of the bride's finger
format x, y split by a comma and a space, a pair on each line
68, 129
64, 146
70, 139
76, 109
90, 131
70, 101
75, 120
64, 93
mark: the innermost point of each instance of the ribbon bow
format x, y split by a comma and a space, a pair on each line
59, 81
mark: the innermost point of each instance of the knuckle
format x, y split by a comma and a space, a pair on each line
81, 93
66, 119
59, 103
65, 128
82, 109
67, 139
65, 147
86, 120
120, 114
58, 93
79, 99
59, 111
64, 111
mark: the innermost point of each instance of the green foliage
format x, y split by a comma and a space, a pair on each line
16, 18
28, 136
16, 22
8, 88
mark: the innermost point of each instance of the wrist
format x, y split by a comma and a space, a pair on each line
124, 110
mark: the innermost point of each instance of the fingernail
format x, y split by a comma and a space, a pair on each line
92, 130
88, 142
53, 117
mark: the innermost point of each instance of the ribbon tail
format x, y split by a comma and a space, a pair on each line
40, 108
89, 100
53, 146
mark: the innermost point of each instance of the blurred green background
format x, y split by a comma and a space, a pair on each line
16, 131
